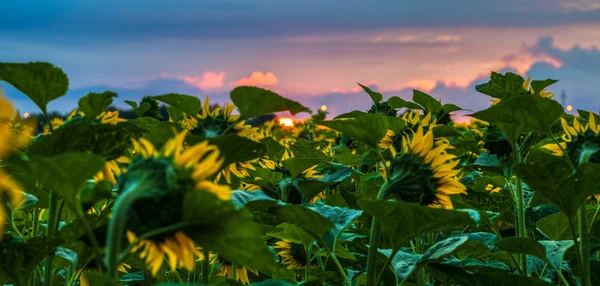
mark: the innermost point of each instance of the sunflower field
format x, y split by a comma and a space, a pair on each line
396, 193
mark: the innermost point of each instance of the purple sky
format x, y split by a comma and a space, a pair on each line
312, 51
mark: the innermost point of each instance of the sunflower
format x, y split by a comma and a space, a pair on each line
492, 189
55, 122
413, 120
111, 170
226, 269
214, 122
238, 169
293, 255
9, 140
424, 172
123, 268
172, 172
579, 140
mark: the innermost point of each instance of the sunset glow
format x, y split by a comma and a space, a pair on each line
286, 122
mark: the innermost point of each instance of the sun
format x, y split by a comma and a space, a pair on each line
287, 122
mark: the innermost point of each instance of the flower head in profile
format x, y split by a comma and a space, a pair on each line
168, 175
579, 141
424, 172
215, 121
293, 255
413, 120
227, 269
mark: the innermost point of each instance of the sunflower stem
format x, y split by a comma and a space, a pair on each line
584, 235
116, 227
205, 264
520, 205
374, 239
51, 232
36, 222
308, 250
340, 268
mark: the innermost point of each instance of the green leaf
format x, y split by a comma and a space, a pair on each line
396, 124
397, 102
255, 101
42, 82
340, 217
275, 151
96, 278
218, 226
351, 114
404, 221
19, 259
297, 165
555, 227
551, 177
131, 103
429, 103
142, 109
243, 150
539, 85
375, 96
522, 245
369, 128
555, 251
253, 200
175, 114
307, 219
522, 113
95, 103
186, 103
449, 107
442, 249
502, 86
293, 233
459, 276
63, 174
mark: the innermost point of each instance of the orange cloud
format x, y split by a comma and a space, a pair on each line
207, 81
258, 79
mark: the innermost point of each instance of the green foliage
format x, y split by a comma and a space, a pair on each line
95, 103
186, 103
369, 128
42, 82
255, 101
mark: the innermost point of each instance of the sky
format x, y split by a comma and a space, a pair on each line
312, 51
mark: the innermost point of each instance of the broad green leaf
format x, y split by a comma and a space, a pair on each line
404, 221
218, 226
522, 245
442, 249
175, 114
63, 174
555, 251
348, 159
143, 108
476, 264
489, 161
131, 103
293, 233
253, 200
396, 124
449, 107
42, 82
243, 150
95, 103
539, 85
502, 86
404, 263
522, 113
375, 96
298, 165
459, 276
555, 227
429, 103
275, 151
551, 177
255, 101
369, 128
341, 218
186, 103
309, 220
397, 102
96, 278
351, 114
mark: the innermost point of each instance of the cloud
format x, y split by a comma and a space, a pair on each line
416, 40
207, 81
581, 5
258, 79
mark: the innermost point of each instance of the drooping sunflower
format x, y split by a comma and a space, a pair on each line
226, 269
111, 170
173, 172
216, 121
293, 255
9, 140
580, 141
424, 172
55, 122
413, 120
106, 117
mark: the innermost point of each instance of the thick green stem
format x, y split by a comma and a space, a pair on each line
116, 227
520, 206
340, 268
51, 232
374, 240
307, 268
36, 222
205, 264
584, 236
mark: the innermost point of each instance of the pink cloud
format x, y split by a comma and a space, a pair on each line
207, 81
258, 79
